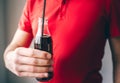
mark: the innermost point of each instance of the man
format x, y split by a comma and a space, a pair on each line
79, 29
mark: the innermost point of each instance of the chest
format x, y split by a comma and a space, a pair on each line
70, 16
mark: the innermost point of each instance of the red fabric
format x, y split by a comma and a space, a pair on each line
78, 29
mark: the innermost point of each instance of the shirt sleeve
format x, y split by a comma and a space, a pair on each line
115, 18
24, 23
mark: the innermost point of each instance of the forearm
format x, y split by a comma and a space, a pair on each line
115, 48
116, 73
9, 49
20, 39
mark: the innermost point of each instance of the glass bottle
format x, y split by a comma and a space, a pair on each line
43, 42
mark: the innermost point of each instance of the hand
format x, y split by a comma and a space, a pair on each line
28, 62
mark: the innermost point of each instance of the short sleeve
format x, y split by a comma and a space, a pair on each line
115, 18
24, 23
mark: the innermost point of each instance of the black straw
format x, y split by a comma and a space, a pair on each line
43, 16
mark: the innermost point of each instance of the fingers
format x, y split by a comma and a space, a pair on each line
37, 75
29, 52
33, 61
27, 62
33, 69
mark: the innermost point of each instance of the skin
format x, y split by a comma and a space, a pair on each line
115, 48
28, 62
24, 61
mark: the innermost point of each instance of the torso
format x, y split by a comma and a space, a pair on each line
77, 28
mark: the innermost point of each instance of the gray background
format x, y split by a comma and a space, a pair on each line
10, 11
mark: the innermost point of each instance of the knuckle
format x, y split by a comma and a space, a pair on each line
17, 69
32, 51
19, 74
51, 62
32, 69
17, 50
47, 62
45, 55
42, 75
43, 52
46, 69
17, 59
34, 61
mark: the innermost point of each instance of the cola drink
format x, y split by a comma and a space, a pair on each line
44, 43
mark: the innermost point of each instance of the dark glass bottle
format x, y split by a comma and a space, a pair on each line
45, 45
43, 42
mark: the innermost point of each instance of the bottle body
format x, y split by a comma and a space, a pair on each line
44, 44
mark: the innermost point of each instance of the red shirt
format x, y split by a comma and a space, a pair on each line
79, 30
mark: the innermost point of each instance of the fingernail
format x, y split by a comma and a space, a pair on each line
46, 74
49, 56
51, 69
52, 62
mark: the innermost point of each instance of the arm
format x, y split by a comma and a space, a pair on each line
24, 61
115, 48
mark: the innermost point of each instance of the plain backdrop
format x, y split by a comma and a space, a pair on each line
10, 12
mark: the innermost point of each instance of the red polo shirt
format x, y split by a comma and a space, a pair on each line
79, 30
